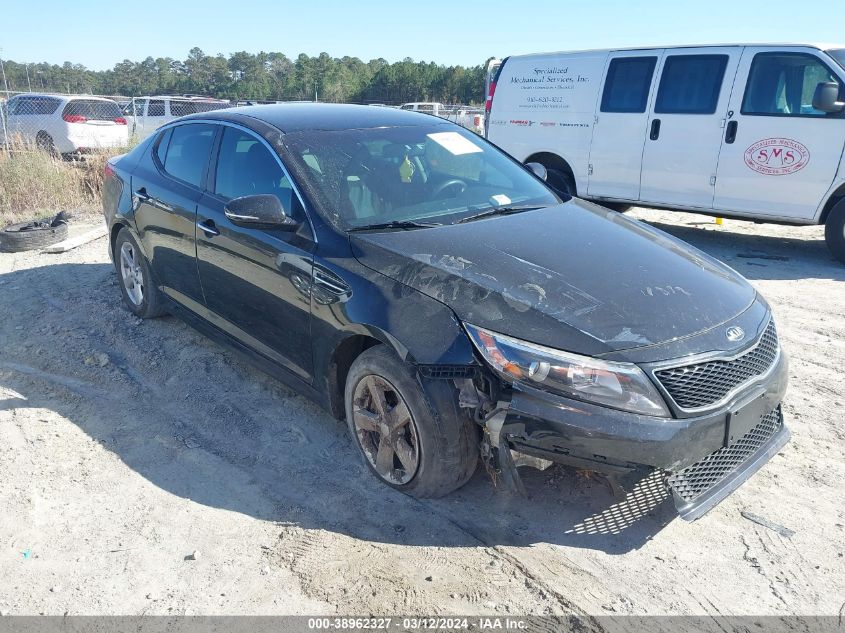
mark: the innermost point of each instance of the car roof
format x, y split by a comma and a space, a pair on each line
823, 47
43, 95
298, 117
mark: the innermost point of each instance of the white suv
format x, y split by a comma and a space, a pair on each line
63, 124
146, 114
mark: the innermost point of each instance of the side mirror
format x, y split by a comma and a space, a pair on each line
826, 98
260, 211
538, 170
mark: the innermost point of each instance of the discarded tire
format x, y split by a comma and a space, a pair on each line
27, 236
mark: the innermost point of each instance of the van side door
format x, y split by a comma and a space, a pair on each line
779, 154
684, 133
620, 125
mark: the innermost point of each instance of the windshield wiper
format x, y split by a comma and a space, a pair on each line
394, 224
500, 211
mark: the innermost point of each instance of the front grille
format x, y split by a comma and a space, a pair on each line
705, 384
447, 372
701, 476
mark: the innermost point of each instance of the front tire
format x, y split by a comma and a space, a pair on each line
416, 441
834, 231
139, 292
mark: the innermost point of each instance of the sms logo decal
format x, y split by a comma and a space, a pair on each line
777, 156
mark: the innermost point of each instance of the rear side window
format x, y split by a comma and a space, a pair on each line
92, 109
155, 107
783, 84
23, 106
690, 84
627, 85
188, 152
161, 145
246, 167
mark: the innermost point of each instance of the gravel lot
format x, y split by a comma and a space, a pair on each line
144, 469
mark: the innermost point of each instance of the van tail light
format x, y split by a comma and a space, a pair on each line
74, 118
108, 170
476, 121
120, 120
488, 104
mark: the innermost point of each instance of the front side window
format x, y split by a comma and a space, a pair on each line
783, 84
188, 152
690, 84
627, 85
436, 174
246, 167
155, 107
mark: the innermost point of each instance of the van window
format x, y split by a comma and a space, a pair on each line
188, 152
690, 84
155, 107
92, 109
627, 85
783, 84
21, 106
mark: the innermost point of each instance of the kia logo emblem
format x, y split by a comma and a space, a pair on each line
735, 333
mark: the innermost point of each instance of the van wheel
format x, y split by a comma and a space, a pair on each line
416, 441
834, 231
621, 207
44, 142
561, 182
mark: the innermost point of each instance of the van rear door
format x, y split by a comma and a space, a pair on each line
684, 133
621, 123
780, 155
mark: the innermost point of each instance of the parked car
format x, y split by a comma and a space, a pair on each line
746, 131
66, 125
147, 114
465, 116
423, 285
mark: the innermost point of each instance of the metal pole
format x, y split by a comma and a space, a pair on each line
5, 83
29, 85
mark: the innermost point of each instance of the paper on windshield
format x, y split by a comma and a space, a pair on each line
454, 143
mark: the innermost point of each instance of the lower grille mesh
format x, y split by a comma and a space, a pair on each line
701, 476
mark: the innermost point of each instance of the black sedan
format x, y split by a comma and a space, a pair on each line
446, 302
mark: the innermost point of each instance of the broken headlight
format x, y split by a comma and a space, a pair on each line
618, 385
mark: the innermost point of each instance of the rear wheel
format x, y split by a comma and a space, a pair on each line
139, 292
44, 142
834, 231
419, 442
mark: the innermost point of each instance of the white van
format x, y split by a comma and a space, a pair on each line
746, 131
146, 114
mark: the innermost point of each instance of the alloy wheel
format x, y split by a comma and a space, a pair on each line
386, 429
131, 274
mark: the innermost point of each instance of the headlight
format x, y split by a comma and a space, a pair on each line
618, 385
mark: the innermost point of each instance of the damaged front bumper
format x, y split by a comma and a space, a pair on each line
706, 457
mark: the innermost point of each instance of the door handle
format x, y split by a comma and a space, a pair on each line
655, 130
730, 132
208, 227
142, 195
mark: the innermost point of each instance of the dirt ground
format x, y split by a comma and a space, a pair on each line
144, 469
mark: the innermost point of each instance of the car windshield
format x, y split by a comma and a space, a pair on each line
838, 55
433, 174
93, 109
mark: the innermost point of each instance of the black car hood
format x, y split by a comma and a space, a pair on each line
575, 276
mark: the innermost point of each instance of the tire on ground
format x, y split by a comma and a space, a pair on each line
448, 438
152, 304
834, 231
17, 237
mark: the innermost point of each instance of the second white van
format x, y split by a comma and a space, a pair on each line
746, 131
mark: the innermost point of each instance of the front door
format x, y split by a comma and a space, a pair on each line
780, 155
621, 123
685, 127
256, 282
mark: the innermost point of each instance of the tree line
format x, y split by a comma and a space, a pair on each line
262, 76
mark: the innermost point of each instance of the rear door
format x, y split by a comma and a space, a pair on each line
620, 129
256, 282
685, 127
780, 155
165, 190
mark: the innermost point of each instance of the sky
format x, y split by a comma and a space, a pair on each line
466, 32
